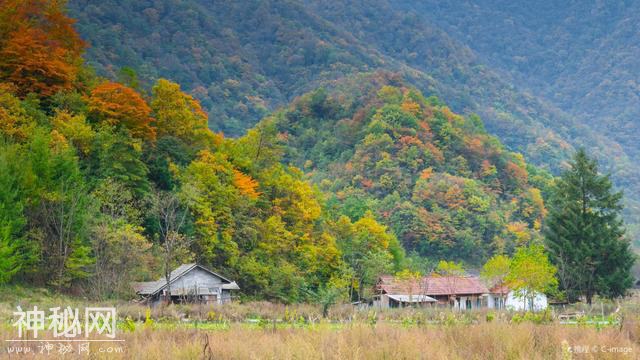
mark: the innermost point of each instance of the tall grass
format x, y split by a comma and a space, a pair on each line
380, 341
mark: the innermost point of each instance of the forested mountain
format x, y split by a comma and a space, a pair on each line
243, 60
102, 184
104, 181
580, 55
446, 188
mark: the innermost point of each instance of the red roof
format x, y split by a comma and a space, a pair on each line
432, 285
500, 289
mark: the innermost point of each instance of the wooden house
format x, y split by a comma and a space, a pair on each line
189, 283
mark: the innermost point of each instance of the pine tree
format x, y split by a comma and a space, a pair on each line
585, 235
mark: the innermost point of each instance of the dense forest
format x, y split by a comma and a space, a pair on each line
444, 186
581, 56
242, 61
103, 183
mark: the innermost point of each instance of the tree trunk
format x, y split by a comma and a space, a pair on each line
167, 276
325, 310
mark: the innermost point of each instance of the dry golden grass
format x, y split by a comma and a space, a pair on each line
363, 341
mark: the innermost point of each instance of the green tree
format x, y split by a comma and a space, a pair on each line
10, 258
12, 219
171, 217
449, 268
531, 273
412, 279
118, 156
368, 249
129, 77
452, 272
59, 211
335, 290
180, 115
121, 256
120, 250
495, 271
585, 234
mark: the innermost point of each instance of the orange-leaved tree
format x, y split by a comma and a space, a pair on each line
246, 184
40, 51
121, 106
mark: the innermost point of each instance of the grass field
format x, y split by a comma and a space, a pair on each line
273, 331
362, 341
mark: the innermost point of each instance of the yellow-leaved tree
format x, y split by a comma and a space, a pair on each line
179, 114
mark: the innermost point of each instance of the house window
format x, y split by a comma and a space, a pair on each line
478, 303
468, 303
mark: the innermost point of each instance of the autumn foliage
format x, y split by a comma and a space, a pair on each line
394, 172
13, 121
446, 187
40, 51
247, 185
176, 113
119, 105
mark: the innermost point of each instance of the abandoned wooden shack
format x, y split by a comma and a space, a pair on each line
189, 283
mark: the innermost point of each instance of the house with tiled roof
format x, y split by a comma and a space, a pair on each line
460, 292
188, 283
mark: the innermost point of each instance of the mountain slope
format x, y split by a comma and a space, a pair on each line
243, 60
580, 55
447, 188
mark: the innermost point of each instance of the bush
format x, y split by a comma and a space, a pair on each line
490, 316
542, 317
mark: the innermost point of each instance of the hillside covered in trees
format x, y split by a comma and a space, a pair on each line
244, 60
444, 186
580, 56
103, 183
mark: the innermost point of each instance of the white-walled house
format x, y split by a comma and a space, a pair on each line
505, 298
457, 292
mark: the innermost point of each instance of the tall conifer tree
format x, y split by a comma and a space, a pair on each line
585, 235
